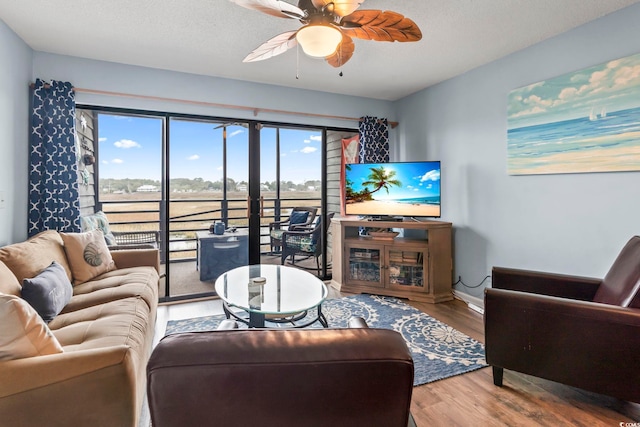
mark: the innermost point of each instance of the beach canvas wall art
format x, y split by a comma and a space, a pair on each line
586, 121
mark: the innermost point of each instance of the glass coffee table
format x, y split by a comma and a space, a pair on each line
284, 296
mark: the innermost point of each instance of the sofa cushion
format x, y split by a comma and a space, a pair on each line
98, 221
88, 255
8, 282
23, 332
122, 322
49, 292
27, 259
621, 285
114, 285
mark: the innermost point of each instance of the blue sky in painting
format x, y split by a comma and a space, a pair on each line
604, 88
131, 147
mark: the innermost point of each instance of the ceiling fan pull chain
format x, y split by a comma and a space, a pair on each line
297, 62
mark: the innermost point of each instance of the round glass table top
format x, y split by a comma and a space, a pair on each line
286, 290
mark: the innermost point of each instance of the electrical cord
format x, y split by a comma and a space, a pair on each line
468, 286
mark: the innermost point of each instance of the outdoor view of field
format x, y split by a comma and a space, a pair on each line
193, 211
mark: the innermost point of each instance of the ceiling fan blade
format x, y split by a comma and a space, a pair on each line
343, 53
273, 47
278, 8
341, 7
380, 26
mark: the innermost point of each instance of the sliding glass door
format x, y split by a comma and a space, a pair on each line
208, 189
207, 195
290, 177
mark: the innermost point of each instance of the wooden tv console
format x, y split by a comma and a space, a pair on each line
418, 266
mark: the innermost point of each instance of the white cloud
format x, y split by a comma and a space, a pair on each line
537, 101
103, 139
568, 93
235, 132
194, 157
430, 176
117, 161
219, 168
308, 150
316, 138
534, 110
598, 77
626, 75
307, 141
533, 86
127, 143
104, 162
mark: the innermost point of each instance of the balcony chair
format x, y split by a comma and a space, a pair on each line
281, 377
306, 242
300, 217
117, 240
583, 332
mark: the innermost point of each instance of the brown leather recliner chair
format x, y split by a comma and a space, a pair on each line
578, 331
282, 377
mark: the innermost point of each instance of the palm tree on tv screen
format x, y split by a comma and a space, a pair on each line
381, 178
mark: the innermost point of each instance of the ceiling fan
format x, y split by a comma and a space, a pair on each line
329, 27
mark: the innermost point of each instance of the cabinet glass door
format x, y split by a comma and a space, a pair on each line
407, 269
364, 266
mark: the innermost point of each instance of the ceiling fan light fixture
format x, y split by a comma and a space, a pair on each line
319, 40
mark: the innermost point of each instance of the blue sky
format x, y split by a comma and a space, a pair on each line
130, 147
419, 179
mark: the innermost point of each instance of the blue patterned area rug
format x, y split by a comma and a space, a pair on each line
438, 350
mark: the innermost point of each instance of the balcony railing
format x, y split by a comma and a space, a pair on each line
188, 215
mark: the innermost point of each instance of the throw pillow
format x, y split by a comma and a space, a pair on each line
49, 292
23, 333
298, 217
100, 222
29, 258
8, 282
88, 255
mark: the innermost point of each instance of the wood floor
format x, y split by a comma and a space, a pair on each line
471, 399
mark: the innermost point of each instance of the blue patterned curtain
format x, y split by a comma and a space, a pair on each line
53, 170
374, 140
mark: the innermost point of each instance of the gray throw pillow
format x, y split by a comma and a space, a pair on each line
49, 292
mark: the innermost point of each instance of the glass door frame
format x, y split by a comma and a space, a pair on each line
253, 188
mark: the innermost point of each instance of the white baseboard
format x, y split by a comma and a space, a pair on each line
474, 303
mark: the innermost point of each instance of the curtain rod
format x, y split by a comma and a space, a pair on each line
213, 104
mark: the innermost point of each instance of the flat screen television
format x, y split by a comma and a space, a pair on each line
407, 189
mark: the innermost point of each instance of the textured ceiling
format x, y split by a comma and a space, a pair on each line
211, 37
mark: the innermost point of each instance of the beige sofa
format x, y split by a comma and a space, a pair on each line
105, 332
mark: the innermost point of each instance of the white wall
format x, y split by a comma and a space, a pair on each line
15, 75
570, 223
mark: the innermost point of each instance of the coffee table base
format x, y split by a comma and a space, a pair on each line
258, 320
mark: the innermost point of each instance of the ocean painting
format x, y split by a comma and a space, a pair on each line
587, 121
